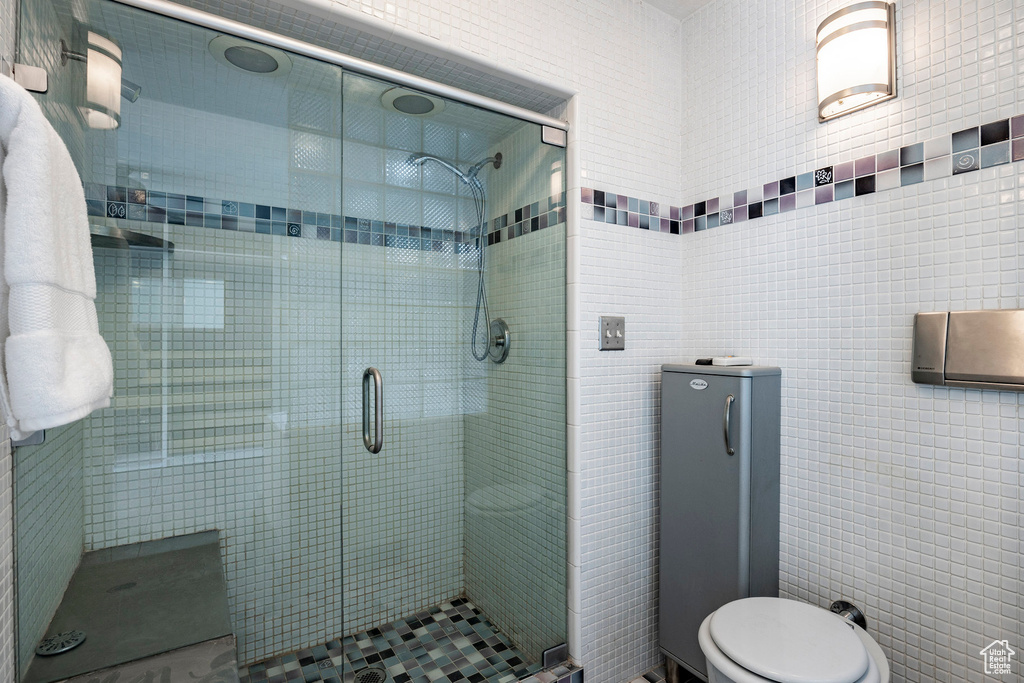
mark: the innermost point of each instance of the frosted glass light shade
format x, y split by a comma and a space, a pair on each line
103, 83
856, 58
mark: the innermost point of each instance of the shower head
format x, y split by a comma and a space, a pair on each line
130, 91
475, 168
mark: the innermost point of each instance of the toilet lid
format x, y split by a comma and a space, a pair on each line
785, 640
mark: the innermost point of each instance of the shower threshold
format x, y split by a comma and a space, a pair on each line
453, 641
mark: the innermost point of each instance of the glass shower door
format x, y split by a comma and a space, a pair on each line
454, 532
227, 348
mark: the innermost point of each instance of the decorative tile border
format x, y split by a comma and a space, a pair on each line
134, 204
972, 149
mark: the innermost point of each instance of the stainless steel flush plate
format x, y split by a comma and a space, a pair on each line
613, 333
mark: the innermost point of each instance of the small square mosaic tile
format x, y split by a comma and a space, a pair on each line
964, 151
453, 641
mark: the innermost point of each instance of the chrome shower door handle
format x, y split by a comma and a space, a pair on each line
725, 424
373, 443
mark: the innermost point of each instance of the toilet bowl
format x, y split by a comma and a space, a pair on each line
774, 640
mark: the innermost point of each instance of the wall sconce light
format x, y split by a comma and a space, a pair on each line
856, 58
103, 80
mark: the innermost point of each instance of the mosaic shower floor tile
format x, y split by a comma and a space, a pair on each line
453, 641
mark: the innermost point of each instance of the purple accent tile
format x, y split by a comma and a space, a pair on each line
823, 194
787, 203
623, 202
654, 209
712, 205
1018, 149
634, 220
674, 213
739, 214
887, 160
687, 226
771, 190
824, 176
865, 166
587, 195
843, 171
739, 198
1017, 126
666, 224
686, 212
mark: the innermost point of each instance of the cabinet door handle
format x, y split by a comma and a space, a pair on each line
725, 424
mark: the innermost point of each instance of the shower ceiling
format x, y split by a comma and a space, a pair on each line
172, 63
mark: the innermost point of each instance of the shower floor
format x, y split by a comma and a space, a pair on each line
453, 641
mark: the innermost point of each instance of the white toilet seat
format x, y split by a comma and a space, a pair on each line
723, 669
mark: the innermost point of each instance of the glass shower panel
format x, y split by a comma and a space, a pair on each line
462, 513
226, 348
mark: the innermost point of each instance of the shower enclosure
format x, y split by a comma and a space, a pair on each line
277, 238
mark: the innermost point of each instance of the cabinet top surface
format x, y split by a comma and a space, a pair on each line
729, 370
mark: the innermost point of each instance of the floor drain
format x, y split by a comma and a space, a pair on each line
62, 642
371, 674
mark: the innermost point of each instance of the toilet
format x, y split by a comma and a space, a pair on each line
774, 640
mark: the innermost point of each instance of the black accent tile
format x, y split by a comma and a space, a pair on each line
754, 210
294, 230
262, 212
865, 185
116, 194
787, 185
598, 198
823, 176
674, 227
964, 140
700, 208
998, 131
117, 210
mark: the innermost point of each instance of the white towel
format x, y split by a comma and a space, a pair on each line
56, 366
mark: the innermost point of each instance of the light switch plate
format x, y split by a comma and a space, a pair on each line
613, 333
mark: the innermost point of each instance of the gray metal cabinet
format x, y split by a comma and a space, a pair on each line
719, 511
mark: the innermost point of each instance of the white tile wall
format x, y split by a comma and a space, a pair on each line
7, 656
48, 510
905, 499
8, 26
